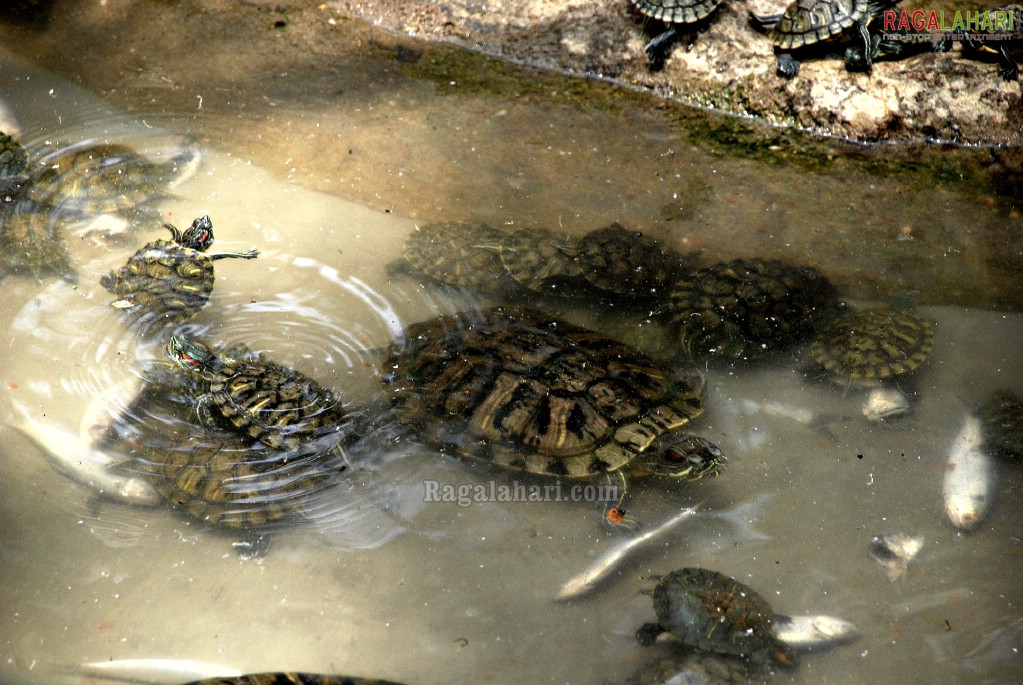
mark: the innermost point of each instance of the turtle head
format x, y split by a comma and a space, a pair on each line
198, 236
191, 355
680, 455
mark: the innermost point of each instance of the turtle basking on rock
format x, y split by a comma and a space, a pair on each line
806, 25
675, 14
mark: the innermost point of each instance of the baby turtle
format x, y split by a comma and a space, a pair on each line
871, 345
627, 264
105, 177
458, 253
540, 260
260, 399
1001, 421
748, 307
806, 23
711, 612
674, 13
170, 279
32, 242
530, 393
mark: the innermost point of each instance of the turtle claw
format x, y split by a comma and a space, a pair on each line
788, 66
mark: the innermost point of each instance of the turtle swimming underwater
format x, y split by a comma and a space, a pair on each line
32, 242
748, 307
459, 253
260, 399
627, 264
13, 167
674, 13
104, 177
528, 392
711, 612
539, 260
807, 23
170, 279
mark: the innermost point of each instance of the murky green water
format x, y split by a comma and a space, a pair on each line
435, 592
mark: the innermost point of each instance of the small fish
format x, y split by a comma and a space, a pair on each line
894, 552
589, 579
75, 457
885, 402
970, 476
169, 671
811, 632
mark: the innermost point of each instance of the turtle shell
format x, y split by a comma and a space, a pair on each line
214, 475
747, 307
1001, 420
101, 178
169, 279
540, 260
530, 393
32, 241
458, 253
677, 11
260, 399
806, 22
712, 612
627, 263
13, 158
873, 344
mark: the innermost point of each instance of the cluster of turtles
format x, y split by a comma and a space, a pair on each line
809, 27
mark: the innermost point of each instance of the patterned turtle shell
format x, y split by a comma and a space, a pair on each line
458, 253
32, 242
677, 11
104, 177
260, 399
617, 261
712, 612
806, 22
540, 260
873, 344
170, 280
528, 392
748, 307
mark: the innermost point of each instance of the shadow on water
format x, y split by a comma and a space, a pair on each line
463, 591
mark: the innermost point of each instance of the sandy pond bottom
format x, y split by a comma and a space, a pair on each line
465, 594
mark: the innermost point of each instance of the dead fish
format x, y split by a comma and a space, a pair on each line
812, 632
590, 578
75, 457
885, 402
970, 476
894, 552
168, 671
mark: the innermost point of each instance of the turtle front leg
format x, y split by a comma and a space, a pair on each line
1008, 67
867, 44
204, 411
657, 49
788, 66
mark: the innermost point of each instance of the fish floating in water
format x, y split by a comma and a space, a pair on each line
885, 402
970, 476
894, 552
813, 632
176, 671
73, 455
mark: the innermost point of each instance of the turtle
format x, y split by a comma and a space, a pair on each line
712, 612
170, 279
627, 264
527, 392
1001, 421
99, 178
292, 679
864, 346
458, 253
806, 23
13, 168
540, 260
1002, 32
674, 13
32, 241
747, 307
260, 399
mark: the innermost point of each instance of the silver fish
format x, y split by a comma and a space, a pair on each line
811, 632
894, 552
970, 476
590, 578
156, 670
75, 457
